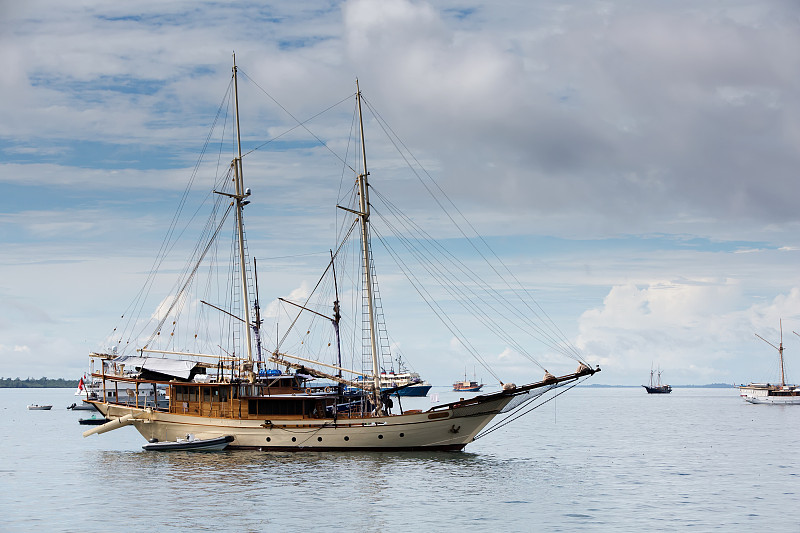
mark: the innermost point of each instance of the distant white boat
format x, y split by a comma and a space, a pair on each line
37, 407
768, 393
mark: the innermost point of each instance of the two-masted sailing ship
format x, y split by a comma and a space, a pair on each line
467, 385
772, 393
655, 386
258, 397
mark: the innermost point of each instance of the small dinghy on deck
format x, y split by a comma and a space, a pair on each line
190, 443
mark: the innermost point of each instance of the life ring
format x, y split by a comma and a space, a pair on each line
308, 390
328, 390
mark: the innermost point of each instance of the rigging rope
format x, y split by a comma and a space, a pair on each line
447, 280
509, 419
394, 139
300, 124
137, 305
436, 308
289, 329
191, 276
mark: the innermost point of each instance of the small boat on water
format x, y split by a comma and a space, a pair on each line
769, 393
467, 385
37, 407
190, 443
81, 407
657, 387
94, 421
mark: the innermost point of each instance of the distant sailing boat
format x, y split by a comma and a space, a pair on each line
657, 387
771, 394
467, 385
219, 386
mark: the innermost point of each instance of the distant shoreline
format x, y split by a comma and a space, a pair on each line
41, 383
707, 386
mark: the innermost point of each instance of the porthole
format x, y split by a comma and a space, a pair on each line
402, 434
319, 439
380, 436
269, 439
294, 439
347, 438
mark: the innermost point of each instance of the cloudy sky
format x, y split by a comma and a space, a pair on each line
635, 162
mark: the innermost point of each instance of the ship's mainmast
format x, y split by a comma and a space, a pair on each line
363, 215
239, 197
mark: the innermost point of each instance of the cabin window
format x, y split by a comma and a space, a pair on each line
181, 393
206, 394
275, 407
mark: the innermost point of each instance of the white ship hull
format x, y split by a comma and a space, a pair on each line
449, 429
773, 400
770, 394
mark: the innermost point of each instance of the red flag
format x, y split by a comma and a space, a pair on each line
81, 388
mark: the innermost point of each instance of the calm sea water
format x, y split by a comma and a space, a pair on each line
593, 460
